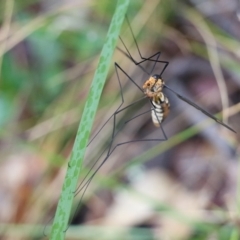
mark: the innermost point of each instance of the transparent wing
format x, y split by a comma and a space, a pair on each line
199, 108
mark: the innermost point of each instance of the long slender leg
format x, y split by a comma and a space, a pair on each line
120, 110
84, 184
110, 148
114, 133
151, 58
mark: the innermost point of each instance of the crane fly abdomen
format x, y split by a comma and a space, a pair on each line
161, 108
153, 89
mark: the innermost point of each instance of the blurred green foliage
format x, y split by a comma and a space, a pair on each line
49, 52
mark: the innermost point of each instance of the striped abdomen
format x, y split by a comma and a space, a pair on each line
160, 108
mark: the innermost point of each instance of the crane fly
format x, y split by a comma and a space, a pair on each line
153, 89
154, 86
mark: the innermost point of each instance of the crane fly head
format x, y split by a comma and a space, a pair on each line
153, 85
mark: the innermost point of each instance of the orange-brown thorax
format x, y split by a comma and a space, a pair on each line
153, 86
153, 89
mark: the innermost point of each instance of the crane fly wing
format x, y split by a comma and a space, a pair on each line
200, 109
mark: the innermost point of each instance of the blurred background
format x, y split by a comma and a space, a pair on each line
184, 188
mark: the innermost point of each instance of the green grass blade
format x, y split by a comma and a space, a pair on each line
65, 202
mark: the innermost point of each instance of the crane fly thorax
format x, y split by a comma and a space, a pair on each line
153, 86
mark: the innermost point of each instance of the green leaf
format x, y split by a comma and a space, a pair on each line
65, 202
